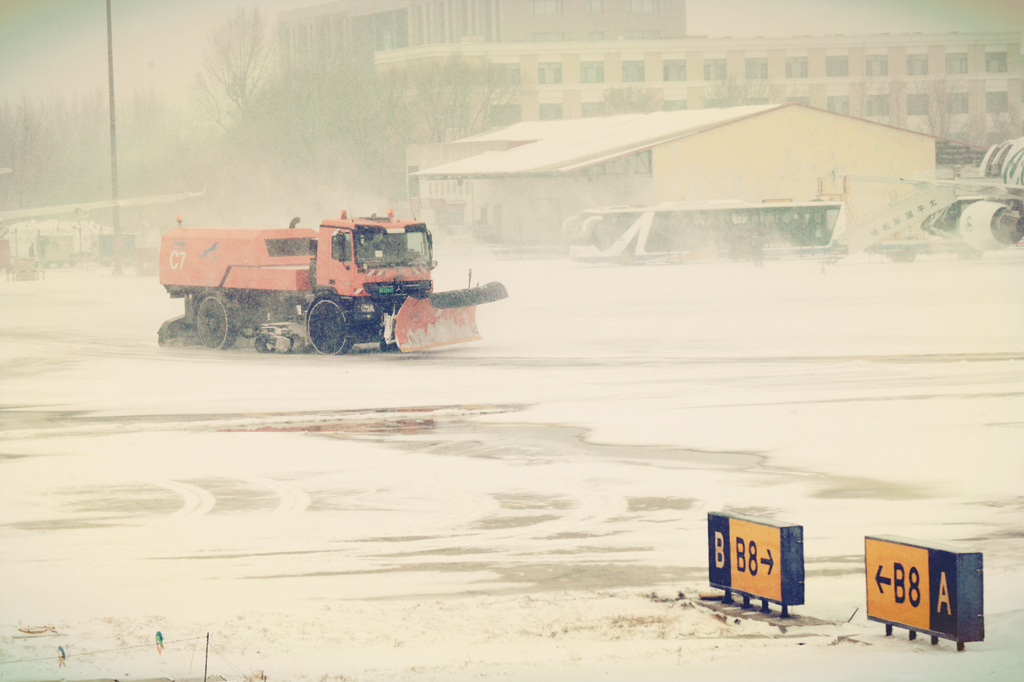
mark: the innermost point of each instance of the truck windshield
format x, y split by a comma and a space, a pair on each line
377, 247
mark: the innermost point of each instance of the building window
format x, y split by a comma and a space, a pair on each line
547, 37
592, 72
633, 72
549, 73
591, 109
917, 65
837, 66
799, 100
643, 6
714, 69
507, 73
595, 35
876, 65
995, 62
674, 105
643, 35
956, 62
877, 105
674, 70
550, 112
997, 102
547, 6
839, 104
796, 67
917, 104
595, 7
757, 68
957, 102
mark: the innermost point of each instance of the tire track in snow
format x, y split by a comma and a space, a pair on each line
196, 502
293, 500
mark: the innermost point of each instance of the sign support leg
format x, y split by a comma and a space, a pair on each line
727, 599
912, 635
888, 630
764, 606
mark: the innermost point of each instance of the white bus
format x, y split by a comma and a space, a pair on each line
691, 231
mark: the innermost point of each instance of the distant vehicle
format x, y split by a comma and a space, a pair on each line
106, 241
935, 217
353, 281
55, 250
694, 231
105, 245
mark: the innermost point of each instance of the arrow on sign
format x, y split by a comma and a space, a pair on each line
769, 562
879, 580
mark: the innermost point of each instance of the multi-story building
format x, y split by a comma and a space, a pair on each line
346, 29
580, 58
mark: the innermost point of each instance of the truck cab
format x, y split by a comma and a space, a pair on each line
373, 251
364, 269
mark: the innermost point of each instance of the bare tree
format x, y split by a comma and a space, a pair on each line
946, 115
734, 93
1002, 127
55, 150
630, 100
237, 60
453, 98
878, 99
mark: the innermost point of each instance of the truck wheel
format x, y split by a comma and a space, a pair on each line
327, 329
214, 324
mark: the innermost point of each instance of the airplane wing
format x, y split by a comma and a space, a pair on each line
94, 205
973, 186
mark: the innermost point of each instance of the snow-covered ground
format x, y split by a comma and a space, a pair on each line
525, 507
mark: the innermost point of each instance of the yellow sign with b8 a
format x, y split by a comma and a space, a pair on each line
925, 587
757, 558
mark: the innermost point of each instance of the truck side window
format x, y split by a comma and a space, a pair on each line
341, 246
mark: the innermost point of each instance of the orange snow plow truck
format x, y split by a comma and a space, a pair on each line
353, 281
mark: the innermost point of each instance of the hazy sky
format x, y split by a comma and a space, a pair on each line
59, 46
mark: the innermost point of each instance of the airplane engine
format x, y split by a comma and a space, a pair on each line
990, 225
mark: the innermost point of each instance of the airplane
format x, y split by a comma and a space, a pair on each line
985, 214
95, 205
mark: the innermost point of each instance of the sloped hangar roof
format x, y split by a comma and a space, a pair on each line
566, 145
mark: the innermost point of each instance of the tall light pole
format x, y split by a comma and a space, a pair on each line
116, 210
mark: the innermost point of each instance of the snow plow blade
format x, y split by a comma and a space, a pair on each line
177, 332
443, 318
463, 298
